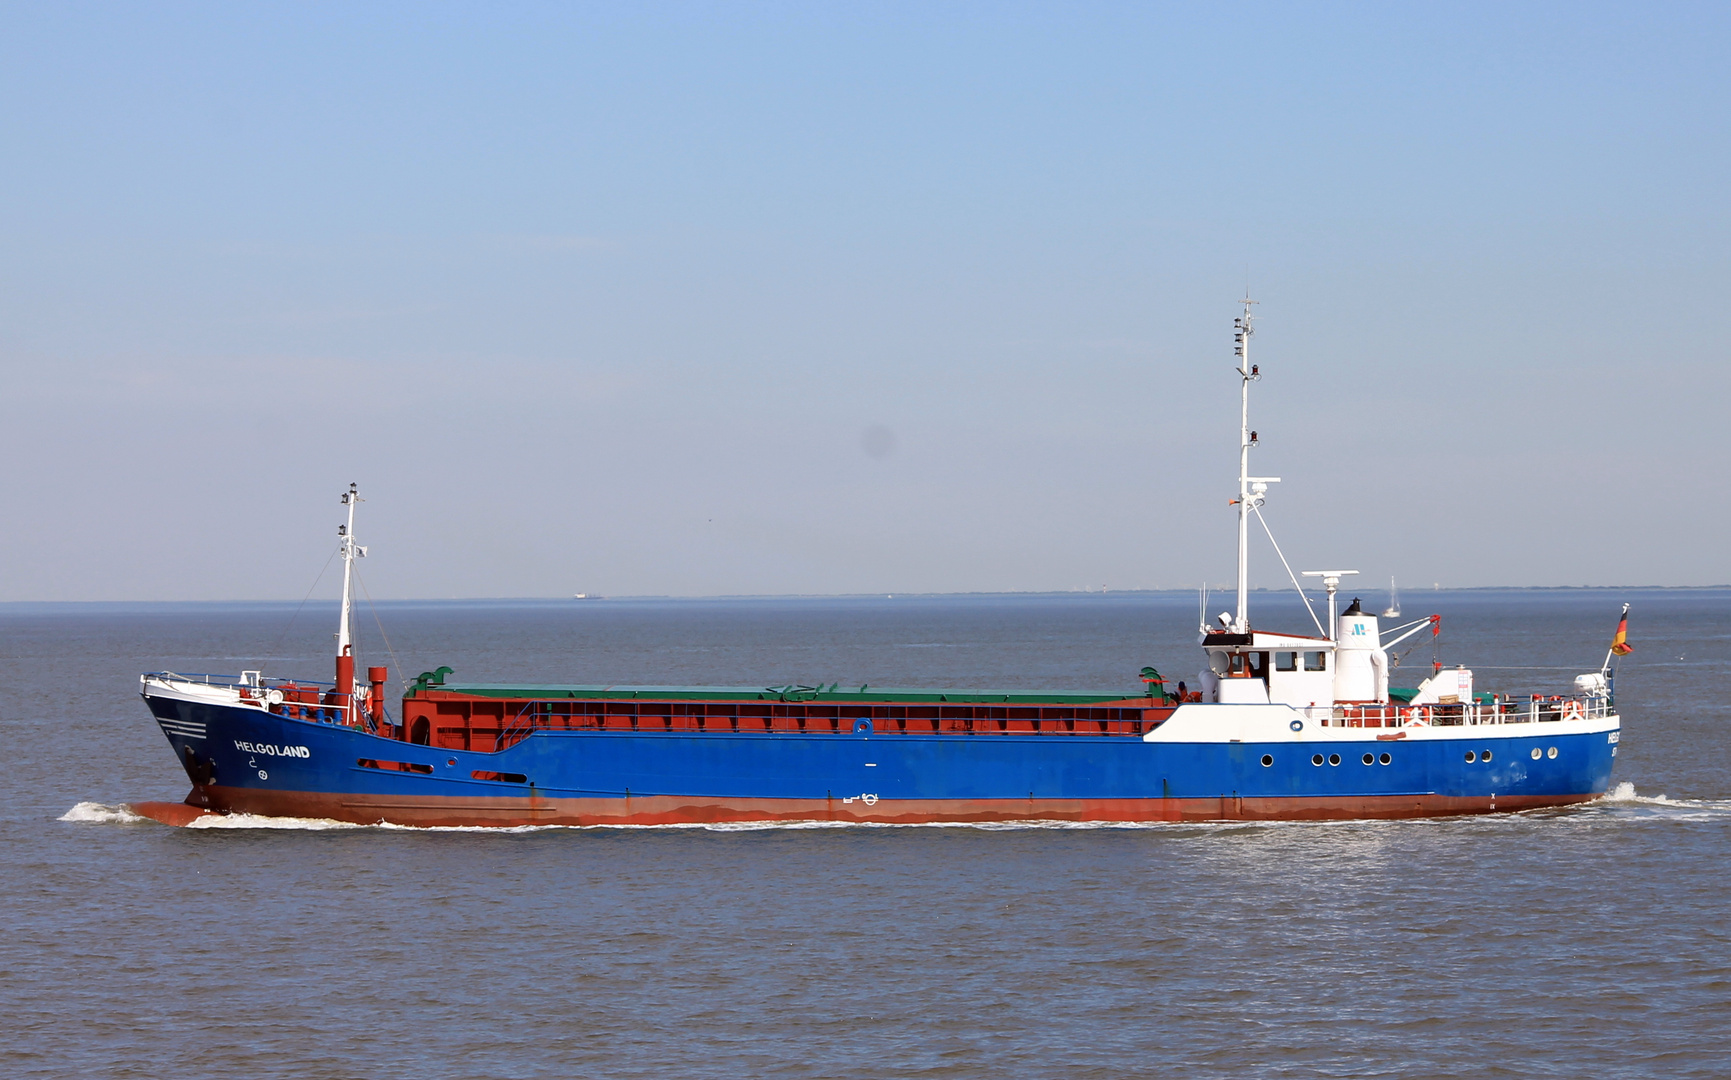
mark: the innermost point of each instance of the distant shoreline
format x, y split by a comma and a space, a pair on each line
1412, 595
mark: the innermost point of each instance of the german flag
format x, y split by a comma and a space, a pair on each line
1620, 644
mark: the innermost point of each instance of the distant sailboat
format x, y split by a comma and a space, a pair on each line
1393, 609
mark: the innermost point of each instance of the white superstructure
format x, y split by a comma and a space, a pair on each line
1340, 676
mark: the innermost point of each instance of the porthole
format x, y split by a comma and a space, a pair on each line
1316, 759
1551, 753
1334, 759
1486, 756
1385, 759
1267, 760
1535, 753
1471, 757
1369, 759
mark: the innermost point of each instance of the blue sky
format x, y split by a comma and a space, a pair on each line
699, 299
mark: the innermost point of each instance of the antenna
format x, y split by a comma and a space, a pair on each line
1331, 582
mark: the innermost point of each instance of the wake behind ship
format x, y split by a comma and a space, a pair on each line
1279, 726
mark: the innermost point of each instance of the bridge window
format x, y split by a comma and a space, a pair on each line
1316, 661
1285, 661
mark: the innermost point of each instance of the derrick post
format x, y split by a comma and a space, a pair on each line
376, 697
344, 695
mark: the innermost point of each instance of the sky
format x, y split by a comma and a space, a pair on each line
708, 299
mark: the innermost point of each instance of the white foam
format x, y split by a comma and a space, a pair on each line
1624, 794
1622, 798
122, 814
795, 826
258, 821
984, 826
262, 821
93, 813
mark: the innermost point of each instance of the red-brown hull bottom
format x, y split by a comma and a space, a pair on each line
170, 813
673, 810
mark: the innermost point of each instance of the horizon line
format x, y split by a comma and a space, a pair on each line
562, 598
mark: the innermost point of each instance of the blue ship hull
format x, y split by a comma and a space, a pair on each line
244, 759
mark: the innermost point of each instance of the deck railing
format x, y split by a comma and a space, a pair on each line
1537, 709
497, 725
297, 699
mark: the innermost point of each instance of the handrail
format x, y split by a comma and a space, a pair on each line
1539, 708
516, 724
352, 714
233, 680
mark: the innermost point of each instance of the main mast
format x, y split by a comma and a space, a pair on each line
1251, 489
1243, 329
345, 689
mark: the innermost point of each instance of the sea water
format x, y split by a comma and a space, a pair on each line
1591, 941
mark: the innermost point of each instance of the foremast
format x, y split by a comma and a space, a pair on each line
345, 689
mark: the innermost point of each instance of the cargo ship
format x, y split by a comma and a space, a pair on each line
1278, 726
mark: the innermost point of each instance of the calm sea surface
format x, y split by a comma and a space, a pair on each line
1594, 941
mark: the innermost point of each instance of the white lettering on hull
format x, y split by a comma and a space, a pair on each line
272, 751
